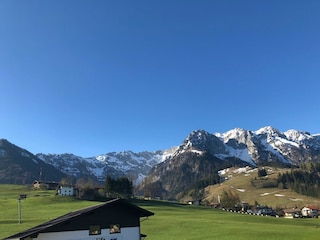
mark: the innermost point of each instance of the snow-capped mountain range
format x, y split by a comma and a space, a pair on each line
255, 147
264, 146
134, 165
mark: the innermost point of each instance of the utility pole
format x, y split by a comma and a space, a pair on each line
21, 197
40, 175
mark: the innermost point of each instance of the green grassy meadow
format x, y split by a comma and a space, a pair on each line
171, 220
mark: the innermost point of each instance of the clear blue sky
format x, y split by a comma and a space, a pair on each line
96, 76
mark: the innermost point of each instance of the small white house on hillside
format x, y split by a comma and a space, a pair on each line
114, 220
66, 191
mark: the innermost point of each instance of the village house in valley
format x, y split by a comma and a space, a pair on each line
114, 220
66, 191
45, 185
310, 211
292, 213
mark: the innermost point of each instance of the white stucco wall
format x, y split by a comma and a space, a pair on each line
66, 191
132, 233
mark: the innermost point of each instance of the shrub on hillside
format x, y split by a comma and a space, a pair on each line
230, 199
262, 172
264, 183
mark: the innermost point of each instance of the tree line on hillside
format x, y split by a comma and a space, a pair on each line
121, 187
305, 180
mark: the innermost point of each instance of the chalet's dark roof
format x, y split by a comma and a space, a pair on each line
45, 182
137, 211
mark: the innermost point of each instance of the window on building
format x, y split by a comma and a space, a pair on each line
94, 230
115, 228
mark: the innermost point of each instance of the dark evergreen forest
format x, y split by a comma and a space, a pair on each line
121, 187
305, 180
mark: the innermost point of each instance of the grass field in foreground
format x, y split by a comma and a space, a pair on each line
192, 223
171, 221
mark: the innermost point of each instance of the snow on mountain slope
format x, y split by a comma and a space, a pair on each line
294, 146
74, 165
238, 144
127, 163
269, 144
303, 139
242, 154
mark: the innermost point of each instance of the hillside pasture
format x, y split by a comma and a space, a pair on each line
252, 188
172, 221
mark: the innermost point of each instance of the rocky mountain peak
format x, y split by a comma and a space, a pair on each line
240, 134
297, 136
202, 141
196, 138
269, 131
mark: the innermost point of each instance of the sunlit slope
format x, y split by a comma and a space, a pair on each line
246, 183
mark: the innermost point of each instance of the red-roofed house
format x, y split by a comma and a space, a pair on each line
310, 211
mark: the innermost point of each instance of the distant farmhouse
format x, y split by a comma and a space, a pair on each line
114, 220
61, 190
292, 213
45, 185
66, 191
310, 211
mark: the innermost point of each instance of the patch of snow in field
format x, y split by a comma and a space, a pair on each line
264, 194
242, 170
279, 195
241, 190
252, 170
246, 170
223, 171
295, 199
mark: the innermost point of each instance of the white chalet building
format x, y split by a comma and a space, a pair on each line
114, 220
66, 191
